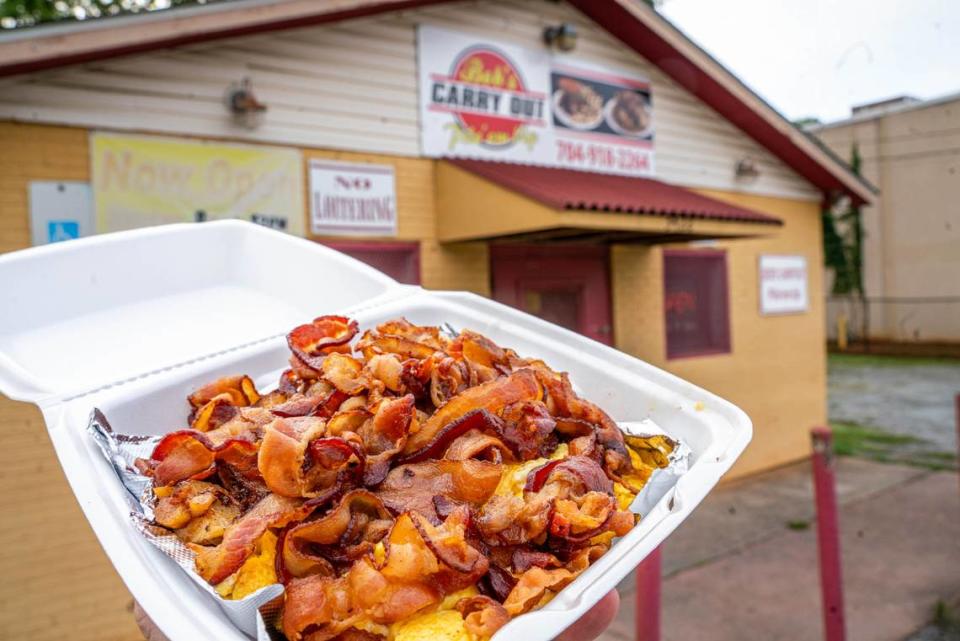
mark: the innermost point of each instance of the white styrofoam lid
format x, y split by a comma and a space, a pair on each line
90, 312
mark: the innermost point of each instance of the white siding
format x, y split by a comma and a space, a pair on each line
352, 85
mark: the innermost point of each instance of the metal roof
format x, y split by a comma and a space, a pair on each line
572, 190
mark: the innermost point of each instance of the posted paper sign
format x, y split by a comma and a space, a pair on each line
491, 100
783, 285
139, 181
352, 199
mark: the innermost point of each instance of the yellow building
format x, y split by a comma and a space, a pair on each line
911, 252
628, 187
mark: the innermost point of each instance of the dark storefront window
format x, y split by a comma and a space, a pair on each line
400, 261
695, 303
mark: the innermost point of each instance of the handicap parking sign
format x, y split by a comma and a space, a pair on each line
59, 230
60, 210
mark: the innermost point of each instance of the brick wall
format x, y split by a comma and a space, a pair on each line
57, 581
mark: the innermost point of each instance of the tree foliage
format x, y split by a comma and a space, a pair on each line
25, 13
843, 240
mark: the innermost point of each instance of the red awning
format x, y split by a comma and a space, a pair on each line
570, 190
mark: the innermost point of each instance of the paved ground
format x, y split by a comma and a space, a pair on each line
736, 572
903, 396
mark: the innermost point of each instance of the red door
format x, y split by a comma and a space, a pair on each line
568, 286
400, 261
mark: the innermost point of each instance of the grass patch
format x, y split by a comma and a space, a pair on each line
798, 524
875, 360
853, 439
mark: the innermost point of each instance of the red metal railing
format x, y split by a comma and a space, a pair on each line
647, 614
648, 574
828, 534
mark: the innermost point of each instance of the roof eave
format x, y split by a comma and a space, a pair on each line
48, 46
642, 29
632, 21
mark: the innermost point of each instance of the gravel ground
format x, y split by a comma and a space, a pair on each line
901, 396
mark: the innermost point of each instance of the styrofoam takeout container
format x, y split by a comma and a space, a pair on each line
132, 322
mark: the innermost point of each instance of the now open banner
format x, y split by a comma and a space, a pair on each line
139, 181
492, 100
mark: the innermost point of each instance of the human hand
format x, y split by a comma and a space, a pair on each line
590, 626
147, 627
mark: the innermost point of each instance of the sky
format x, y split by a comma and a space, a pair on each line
820, 57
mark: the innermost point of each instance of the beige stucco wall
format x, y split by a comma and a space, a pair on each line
912, 235
776, 370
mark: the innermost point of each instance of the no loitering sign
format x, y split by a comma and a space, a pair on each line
352, 199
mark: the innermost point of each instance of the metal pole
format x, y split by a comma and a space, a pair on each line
647, 614
828, 534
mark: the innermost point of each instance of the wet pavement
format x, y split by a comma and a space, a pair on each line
743, 567
909, 397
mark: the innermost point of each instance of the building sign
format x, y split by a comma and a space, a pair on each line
60, 210
352, 199
140, 181
783, 284
495, 101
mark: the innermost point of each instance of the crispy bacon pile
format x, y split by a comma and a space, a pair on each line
388, 473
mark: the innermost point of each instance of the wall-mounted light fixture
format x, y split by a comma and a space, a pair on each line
746, 169
562, 37
243, 104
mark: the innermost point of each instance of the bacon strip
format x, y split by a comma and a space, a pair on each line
520, 386
479, 419
411, 578
187, 454
385, 435
215, 564
213, 414
482, 616
283, 454
563, 402
412, 487
236, 390
576, 470
326, 334
323, 406
478, 445
350, 529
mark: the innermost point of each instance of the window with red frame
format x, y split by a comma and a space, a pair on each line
400, 261
695, 303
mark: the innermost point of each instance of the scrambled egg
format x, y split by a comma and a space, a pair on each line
441, 624
514, 475
256, 572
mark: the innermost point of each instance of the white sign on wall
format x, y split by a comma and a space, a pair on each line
352, 199
491, 100
60, 210
783, 284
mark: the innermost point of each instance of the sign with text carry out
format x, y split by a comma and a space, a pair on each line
783, 284
352, 199
491, 100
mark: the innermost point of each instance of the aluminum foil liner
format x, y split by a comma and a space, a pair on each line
257, 613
